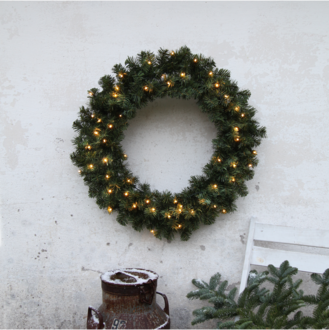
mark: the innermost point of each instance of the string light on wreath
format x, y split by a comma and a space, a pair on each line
202, 200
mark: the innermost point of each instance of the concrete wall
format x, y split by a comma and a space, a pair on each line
55, 241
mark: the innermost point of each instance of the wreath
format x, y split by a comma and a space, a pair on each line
102, 162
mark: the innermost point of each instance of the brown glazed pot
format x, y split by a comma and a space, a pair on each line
129, 302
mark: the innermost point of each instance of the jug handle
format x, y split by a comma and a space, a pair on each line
100, 317
166, 308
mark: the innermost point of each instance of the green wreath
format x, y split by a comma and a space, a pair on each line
101, 160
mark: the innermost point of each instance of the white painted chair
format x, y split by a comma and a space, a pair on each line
307, 262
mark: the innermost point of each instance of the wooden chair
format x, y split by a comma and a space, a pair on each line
307, 262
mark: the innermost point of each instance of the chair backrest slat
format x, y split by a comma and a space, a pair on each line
306, 262
291, 235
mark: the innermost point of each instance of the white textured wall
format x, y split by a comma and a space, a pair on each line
54, 239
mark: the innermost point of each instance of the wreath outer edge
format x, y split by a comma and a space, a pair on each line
101, 160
